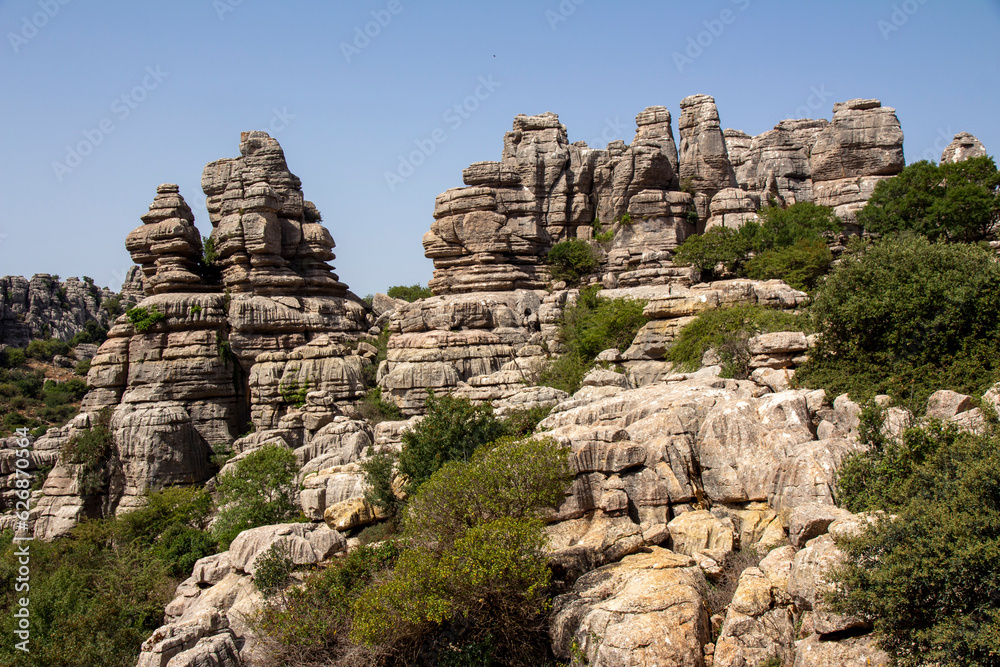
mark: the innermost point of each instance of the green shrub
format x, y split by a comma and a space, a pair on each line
571, 260
475, 563
44, 350
82, 367
907, 317
12, 357
800, 265
257, 491
452, 429
523, 421
209, 255
143, 318
293, 393
376, 410
927, 578
728, 331
379, 470
784, 244
309, 625
957, 201
60, 393
92, 450
273, 569
113, 305
92, 332
588, 328
171, 527
411, 293
381, 344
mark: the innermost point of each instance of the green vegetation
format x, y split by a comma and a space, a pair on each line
588, 328
474, 563
571, 260
257, 491
926, 573
28, 400
92, 332
787, 243
373, 408
44, 350
293, 393
273, 569
99, 593
209, 255
958, 201
906, 317
411, 293
113, 305
728, 331
195, 309
92, 450
143, 318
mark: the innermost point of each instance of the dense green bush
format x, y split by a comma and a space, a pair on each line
92, 450
906, 317
308, 625
475, 564
958, 201
409, 293
589, 327
143, 319
376, 410
273, 569
257, 491
44, 350
927, 575
92, 332
787, 243
12, 357
728, 331
113, 305
572, 259
800, 265
452, 429
97, 594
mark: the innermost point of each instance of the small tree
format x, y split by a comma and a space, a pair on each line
957, 201
258, 490
409, 293
572, 259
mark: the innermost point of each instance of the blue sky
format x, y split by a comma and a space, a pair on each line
154, 90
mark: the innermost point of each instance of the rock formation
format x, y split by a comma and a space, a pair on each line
963, 147
45, 306
704, 160
271, 338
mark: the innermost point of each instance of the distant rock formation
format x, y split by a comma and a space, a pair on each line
963, 147
45, 306
493, 234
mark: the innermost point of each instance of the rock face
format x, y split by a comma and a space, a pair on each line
638, 202
265, 335
45, 306
963, 147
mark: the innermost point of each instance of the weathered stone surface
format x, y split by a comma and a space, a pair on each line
945, 404
45, 306
306, 544
646, 609
755, 629
812, 520
692, 532
851, 652
704, 161
963, 147
168, 246
350, 514
808, 583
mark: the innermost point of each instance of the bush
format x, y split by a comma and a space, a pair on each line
957, 201
784, 244
171, 527
571, 260
113, 305
728, 331
906, 317
92, 332
927, 578
475, 567
92, 450
143, 318
452, 429
376, 410
257, 491
44, 350
12, 357
60, 393
800, 265
411, 293
588, 328
82, 367
273, 569
309, 625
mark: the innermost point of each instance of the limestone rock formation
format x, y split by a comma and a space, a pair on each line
167, 246
45, 306
963, 147
704, 160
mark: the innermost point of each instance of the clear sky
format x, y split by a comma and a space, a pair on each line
103, 100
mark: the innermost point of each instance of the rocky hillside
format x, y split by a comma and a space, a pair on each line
679, 481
